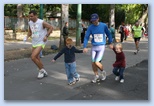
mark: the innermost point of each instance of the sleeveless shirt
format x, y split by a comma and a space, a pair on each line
38, 32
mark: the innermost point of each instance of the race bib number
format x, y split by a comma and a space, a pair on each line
98, 37
35, 34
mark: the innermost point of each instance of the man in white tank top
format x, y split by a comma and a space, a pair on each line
39, 32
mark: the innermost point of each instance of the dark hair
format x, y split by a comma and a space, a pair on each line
33, 11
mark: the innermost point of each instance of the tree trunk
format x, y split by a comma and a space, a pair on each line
78, 24
112, 15
144, 17
20, 22
64, 18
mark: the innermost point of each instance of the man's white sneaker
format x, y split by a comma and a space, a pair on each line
103, 74
77, 79
40, 74
96, 77
116, 78
72, 83
45, 73
122, 81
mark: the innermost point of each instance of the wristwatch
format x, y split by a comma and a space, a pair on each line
47, 35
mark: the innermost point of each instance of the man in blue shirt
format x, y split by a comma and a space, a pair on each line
99, 31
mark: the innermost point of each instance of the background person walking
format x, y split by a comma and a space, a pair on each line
83, 33
137, 32
112, 31
122, 31
65, 32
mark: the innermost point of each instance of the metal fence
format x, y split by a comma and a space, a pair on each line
21, 24
15, 23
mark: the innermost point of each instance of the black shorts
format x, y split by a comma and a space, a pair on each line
137, 39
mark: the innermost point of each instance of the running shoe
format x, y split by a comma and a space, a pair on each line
77, 79
45, 73
138, 50
103, 74
116, 78
122, 81
72, 83
96, 78
40, 74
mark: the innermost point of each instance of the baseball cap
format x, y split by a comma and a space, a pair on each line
94, 17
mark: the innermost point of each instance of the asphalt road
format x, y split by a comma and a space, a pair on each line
21, 83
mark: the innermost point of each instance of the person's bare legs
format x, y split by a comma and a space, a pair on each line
97, 54
137, 45
95, 69
40, 60
35, 57
99, 65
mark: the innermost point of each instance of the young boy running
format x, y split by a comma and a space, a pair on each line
120, 63
70, 64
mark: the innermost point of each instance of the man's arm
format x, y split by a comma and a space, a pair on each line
49, 27
86, 38
78, 51
49, 30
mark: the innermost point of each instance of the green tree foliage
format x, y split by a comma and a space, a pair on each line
133, 11
88, 9
128, 13
10, 10
119, 15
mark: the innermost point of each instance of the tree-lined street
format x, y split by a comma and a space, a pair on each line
20, 73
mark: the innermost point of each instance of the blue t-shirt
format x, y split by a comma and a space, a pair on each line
98, 33
69, 54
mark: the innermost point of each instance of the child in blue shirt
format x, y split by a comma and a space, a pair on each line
69, 59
